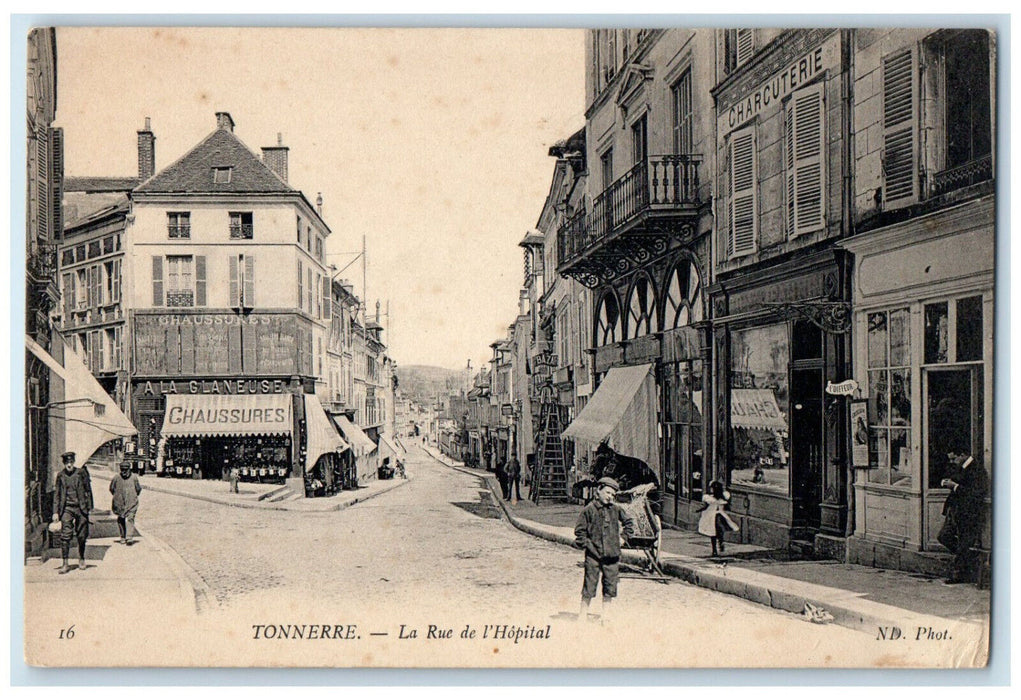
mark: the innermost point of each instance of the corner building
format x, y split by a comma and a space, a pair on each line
226, 344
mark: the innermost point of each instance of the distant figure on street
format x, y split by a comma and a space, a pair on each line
73, 503
714, 521
513, 471
501, 476
964, 511
233, 476
598, 533
125, 489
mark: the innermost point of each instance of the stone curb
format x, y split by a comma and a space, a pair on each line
267, 506
847, 608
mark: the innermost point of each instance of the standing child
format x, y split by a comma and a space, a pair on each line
714, 521
598, 533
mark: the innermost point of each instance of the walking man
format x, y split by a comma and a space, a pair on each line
125, 489
598, 533
513, 476
73, 504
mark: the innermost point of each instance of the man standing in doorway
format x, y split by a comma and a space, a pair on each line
964, 511
73, 505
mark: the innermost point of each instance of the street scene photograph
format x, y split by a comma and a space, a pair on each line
620, 347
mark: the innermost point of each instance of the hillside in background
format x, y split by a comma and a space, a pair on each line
423, 383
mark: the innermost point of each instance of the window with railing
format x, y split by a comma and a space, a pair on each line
179, 224
241, 225
180, 280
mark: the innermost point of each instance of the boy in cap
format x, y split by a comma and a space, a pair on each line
598, 533
73, 504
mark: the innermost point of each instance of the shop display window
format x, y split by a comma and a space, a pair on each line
759, 413
889, 395
682, 422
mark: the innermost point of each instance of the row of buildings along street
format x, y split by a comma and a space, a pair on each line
767, 259
187, 320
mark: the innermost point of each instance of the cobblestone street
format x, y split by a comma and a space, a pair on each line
436, 551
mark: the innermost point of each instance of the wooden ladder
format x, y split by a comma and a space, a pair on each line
549, 482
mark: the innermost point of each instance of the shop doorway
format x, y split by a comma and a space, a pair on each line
806, 441
215, 458
953, 415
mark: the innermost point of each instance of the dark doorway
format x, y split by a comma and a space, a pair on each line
806, 445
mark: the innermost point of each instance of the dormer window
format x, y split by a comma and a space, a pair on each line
221, 175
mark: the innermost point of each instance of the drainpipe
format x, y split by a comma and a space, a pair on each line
847, 39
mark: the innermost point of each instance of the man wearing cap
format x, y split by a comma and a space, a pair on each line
73, 505
598, 533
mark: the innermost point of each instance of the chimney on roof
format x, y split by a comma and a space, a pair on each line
146, 152
223, 121
319, 204
275, 157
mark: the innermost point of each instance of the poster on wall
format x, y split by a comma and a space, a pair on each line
859, 433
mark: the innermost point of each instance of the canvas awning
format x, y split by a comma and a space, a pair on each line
622, 412
220, 414
756, 409
360, 443
86, 417
388, 446
322, 437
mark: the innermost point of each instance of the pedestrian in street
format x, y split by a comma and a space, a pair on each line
125, 489
598, 533
714, 521
513, 470
501, 476
234, 476
73, 504
963, 511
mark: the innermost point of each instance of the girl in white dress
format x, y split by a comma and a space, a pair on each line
714, 521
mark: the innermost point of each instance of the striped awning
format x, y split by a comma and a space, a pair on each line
361, 443
622, 412
218, 414
322, 436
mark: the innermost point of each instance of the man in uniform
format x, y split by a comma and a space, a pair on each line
73, 505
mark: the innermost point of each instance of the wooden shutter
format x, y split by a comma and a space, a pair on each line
200, 280
42, 163
311, 300
327, 298
249, 290
116, 280
805, 161
68, 297
157, 280
900, 90
117, 340
235, 300
93, 287
743, 207
56, 158
745, 45
301, 287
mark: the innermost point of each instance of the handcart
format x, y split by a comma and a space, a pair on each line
636, 504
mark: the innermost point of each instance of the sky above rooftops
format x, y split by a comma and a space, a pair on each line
431, 143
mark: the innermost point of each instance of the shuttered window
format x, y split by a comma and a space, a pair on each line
805, 174
116, 286
301, 287
743, 207
900, 91
157, 280
200, 280
42, 161
68, 297
745, 45
56, 157
327, 298
248, 289
235, 279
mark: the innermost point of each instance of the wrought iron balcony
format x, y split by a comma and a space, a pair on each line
971, 173
631, 220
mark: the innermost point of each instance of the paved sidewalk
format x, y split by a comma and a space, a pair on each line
859, 597
254, 495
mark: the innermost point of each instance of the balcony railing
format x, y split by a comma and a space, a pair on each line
971, 173
663, 185
42, 262
242, 231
